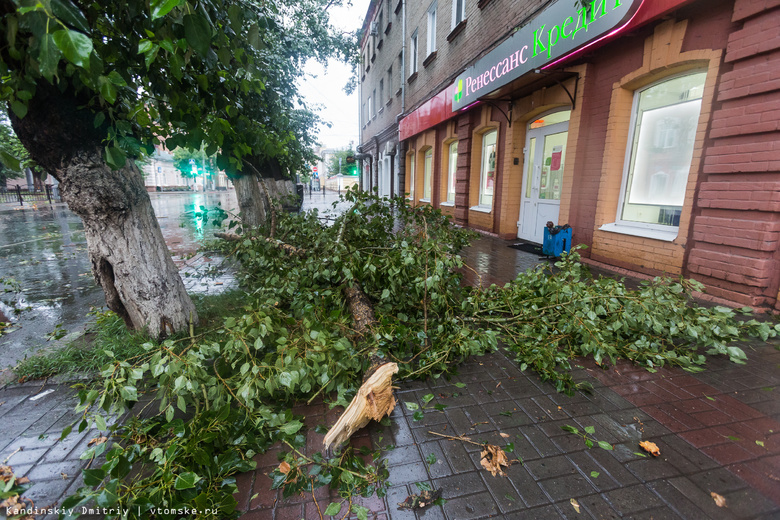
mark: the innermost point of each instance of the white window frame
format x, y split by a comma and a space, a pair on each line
630, 227
458, 17
432, 28
452, 169
427, 176
370, 109
483, 174
412, 160
413, 50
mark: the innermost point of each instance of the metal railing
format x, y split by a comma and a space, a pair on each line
21, 196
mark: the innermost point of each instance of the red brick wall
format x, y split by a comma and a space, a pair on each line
735, 242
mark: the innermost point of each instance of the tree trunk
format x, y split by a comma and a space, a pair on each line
251, 200
129, 257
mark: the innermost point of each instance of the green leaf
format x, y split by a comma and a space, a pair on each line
460, 385
569, 428
427, 398
510, 447
186, 481
640, 454
48, 57
440, 407
100, 422
93, 477
74, 45
19, 108
333, 509
595, 474
162, 7
590, 430
418, 415
385, 294
198, 33
732, 438
70, 14
107, 89
115, 157
360, 511
9, 161
291, 427
411, 406
604, 445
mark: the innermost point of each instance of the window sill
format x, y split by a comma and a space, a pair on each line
398, 92
389, 25
430, 58
379, 44
373, 58
481, 209
412, 78
389, 102
653, 233
381, 110
448, 204
456, 30
398, 6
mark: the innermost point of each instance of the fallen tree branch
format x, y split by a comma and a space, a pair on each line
232, 237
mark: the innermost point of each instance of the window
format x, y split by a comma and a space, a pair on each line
458, 12
370, 109
413, 54
381, 23
452, 168
660, 149
390, 83
381, 98
427, 175
373, 105
432, 28
488, 170
411, 175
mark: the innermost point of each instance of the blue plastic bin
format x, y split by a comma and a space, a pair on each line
556, 244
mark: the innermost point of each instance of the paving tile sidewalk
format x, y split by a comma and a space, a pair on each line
705, 424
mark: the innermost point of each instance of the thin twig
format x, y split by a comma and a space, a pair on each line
459, 438
315, 499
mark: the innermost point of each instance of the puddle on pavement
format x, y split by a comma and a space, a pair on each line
43, 247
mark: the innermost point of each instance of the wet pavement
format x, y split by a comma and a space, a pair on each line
718, 432
43, 247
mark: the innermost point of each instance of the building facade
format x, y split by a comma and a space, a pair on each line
652, 128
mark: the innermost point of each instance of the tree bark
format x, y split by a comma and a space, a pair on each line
129, 257
251, 200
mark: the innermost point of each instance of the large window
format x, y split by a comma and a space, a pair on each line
413, 54
664, 121
389, 83
458, 12
427, 174
432, 28
452, 168
488, 170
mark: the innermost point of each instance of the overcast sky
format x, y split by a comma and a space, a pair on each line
326, 87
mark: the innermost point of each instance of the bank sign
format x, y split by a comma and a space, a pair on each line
563, 27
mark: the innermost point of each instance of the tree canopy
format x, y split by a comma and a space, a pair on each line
219, 72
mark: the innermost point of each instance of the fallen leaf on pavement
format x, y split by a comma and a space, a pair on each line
493, 458
97, 440
720, 501
420, 501
504, 435
650, 447
64, 475
284, 467
575, 505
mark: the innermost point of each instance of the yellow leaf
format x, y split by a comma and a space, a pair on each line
505, 435
493, 458
575, 505
97, 440
650, 447
720, 501
284, 467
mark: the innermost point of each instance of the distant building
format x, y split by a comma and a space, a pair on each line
160, 174
650, 127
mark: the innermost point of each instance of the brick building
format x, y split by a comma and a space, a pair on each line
651, 127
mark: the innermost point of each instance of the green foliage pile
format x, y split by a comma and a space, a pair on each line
548, 319
218, 400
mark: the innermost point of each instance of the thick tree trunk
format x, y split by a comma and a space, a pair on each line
251, 200
130, 259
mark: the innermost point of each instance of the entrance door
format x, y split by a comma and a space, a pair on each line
545, 154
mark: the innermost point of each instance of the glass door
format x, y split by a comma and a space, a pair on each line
545, 156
